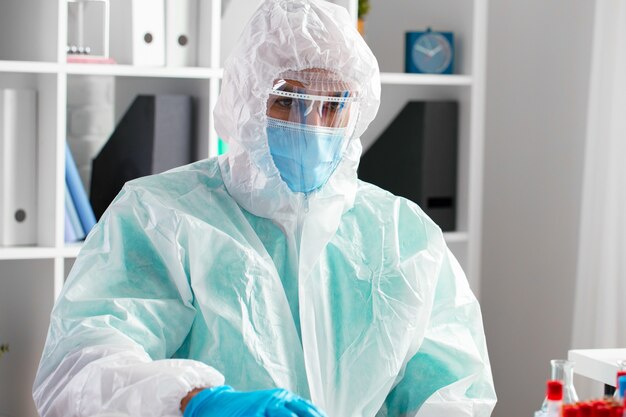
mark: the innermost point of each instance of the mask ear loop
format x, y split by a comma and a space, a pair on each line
308, 110
341, 108
344, 96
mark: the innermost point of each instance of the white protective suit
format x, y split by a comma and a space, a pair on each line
218, 273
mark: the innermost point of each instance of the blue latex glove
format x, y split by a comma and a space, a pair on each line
224, 401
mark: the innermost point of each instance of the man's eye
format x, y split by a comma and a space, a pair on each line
285, 102
332, 106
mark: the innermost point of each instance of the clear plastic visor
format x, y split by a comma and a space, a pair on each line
290, 102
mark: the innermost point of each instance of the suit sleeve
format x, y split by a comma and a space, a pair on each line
450, 374
125, 310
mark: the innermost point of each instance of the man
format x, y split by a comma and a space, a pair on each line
271, 269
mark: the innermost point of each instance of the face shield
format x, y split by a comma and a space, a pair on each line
311, 117
326, 109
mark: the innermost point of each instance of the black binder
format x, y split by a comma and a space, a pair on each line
416, 158
155, 134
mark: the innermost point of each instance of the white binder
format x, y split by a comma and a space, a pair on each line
18, 167
138, 32
181, 34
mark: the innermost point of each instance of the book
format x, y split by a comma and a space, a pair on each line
77, 193
71, 216
18, 167
69, 234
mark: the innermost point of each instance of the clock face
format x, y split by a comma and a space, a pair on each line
432, 53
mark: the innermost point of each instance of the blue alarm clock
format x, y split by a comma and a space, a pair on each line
429, 52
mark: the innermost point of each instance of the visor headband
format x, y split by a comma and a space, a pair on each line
291, 94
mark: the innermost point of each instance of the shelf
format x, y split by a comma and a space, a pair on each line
27, 252
35, 59
71, 250
135, 71
203, 73
456, 237
105, 69
424, 79
29, 67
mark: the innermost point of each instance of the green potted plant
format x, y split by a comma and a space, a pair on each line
364, 8
3, 349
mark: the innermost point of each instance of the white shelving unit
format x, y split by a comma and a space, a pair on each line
33, 35
385, 30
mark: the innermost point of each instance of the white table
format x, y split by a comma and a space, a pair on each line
598, 364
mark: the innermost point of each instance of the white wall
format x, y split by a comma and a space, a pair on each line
536, 105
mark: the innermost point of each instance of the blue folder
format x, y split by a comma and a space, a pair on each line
78, 194
70, 235
72, 216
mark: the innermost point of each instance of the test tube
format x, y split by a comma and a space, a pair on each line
554, 392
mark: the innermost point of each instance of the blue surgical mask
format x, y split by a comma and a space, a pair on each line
305, 156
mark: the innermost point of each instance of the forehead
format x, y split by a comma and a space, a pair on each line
314, 81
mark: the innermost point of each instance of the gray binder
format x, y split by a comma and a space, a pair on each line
416, 158
155, 134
